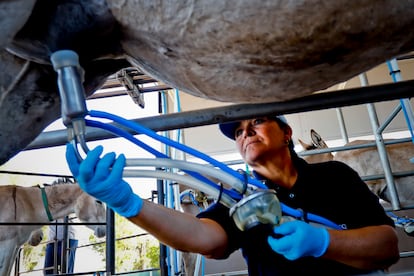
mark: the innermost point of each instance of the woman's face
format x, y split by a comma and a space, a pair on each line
261, 138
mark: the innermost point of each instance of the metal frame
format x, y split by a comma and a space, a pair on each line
210, 116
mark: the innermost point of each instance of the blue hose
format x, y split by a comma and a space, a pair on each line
396, 77
143, 130
399, 220
311, 217
122, 133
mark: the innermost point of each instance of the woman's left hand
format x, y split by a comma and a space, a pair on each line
299, 239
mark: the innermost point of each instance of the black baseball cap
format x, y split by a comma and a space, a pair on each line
229, 128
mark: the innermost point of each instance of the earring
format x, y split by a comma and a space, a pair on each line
287, 141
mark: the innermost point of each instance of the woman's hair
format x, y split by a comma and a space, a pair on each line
283, 125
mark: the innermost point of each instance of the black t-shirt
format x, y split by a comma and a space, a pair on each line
331, 190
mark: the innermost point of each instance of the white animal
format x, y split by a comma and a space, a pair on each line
25, 205
192, 202
366, 162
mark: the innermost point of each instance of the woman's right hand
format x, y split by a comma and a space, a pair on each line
102, 179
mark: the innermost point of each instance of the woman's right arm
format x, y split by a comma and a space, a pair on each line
182, 231
101, 177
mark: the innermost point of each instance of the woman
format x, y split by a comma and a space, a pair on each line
368, 243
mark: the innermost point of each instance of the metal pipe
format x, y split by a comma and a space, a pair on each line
346, 97
110, 242
351, 147
407, 254
72, 94
405, 103
389, 119
340, 117
344, 133
171, 191
64, 247
381, 149
163, 247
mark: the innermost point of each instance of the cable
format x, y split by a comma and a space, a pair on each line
311, 217
143, 130
140, 129
132, 139
185, 165
186, 180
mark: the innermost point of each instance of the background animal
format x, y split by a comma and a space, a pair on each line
25, 205
192, 202
234, 51
366, 162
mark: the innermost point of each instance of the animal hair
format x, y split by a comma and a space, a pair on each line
62, 180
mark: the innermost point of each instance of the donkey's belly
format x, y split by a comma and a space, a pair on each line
262, 51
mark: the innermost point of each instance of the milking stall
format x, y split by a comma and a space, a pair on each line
153, 81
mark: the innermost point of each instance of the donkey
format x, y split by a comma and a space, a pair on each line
366, 162
192, 202
261, 51
36, 206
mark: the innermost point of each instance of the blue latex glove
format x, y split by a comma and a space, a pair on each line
299, 239
95, 177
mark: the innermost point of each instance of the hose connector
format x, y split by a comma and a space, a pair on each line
261, 207
72, 94
70, 79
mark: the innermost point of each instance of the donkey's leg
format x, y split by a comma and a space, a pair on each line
7, 256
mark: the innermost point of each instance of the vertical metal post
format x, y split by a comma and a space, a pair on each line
176, 255
381, 149
342, 126
64, 247
167, 195
405, 103
340, 116
163, 248
110, 242
55, 251
17, 262
72, 94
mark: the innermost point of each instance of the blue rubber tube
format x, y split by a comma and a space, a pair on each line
143, 130
309, 216
122, 133
152, 134
396, 77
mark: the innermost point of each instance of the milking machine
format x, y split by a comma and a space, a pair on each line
250, 201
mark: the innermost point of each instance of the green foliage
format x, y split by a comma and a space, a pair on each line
134, 249
154, 255
31, 256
